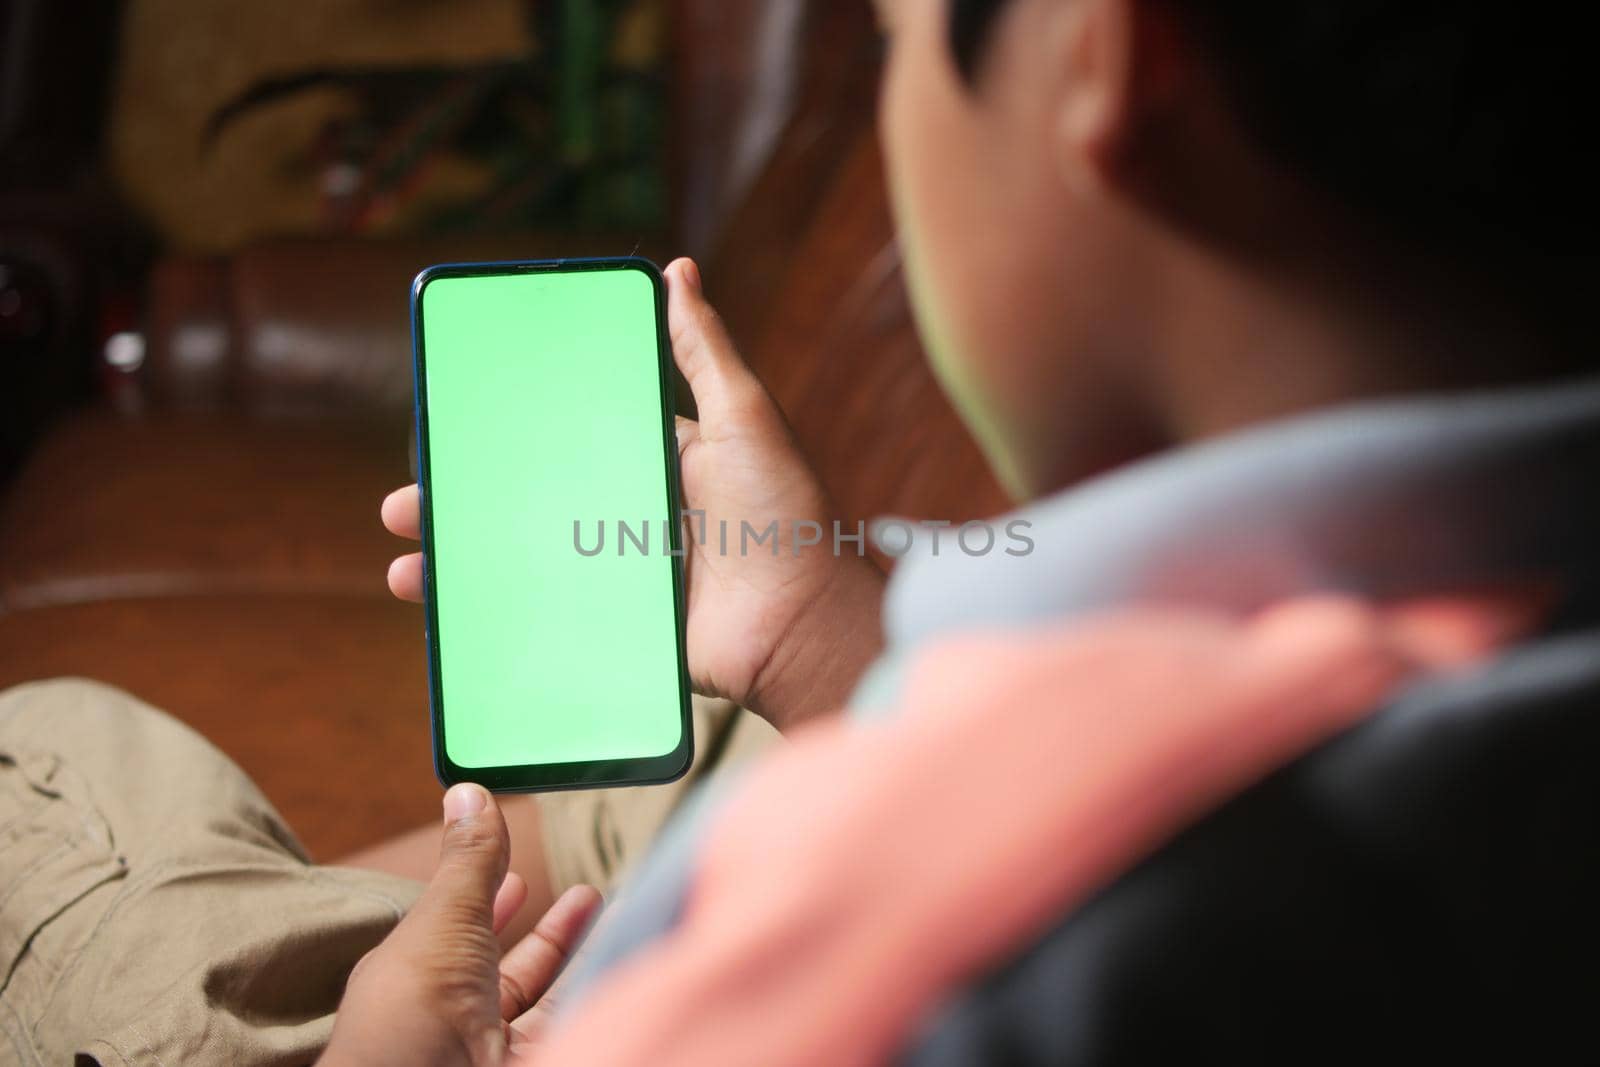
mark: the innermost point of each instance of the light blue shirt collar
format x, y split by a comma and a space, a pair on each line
1381, 499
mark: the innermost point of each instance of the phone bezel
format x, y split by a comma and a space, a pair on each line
589, 774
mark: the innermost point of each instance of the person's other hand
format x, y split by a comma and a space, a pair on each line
783, 628
437, 990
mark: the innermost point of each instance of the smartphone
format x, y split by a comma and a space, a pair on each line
552, 546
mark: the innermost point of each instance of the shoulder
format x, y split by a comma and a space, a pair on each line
1423, 883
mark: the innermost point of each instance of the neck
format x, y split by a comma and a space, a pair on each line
1242, 344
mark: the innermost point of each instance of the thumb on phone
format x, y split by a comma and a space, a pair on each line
724, 387
431, 990
473, 857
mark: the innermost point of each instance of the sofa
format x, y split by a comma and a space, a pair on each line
205, 533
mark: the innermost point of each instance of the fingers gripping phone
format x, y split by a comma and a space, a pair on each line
552, 556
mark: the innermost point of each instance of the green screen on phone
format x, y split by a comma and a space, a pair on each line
549, 503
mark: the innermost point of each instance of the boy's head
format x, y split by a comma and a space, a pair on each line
1130, 221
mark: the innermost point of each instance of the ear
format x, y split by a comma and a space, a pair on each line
1118, 69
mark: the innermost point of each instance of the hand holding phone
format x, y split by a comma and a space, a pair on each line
784, 634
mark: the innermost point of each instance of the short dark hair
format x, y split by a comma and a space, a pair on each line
1455, 123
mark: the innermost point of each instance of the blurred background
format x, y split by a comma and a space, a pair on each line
209, 218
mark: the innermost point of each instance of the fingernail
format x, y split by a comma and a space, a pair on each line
691, 274
463, 800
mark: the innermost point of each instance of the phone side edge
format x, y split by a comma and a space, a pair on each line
442, 766
666, 366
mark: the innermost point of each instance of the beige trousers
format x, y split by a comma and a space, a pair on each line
154, 908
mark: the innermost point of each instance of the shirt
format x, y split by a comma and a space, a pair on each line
1387, 502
